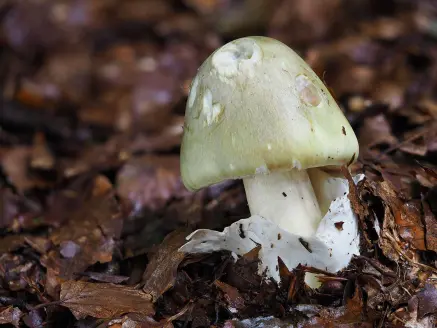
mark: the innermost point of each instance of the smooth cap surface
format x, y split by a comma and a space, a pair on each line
254, 107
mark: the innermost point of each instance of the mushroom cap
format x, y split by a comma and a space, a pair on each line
254, 107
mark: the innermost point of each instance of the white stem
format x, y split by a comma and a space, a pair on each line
325, 188
287, 198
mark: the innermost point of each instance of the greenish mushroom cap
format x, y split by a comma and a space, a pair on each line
256, 107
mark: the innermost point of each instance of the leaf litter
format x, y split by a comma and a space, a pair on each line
92, 208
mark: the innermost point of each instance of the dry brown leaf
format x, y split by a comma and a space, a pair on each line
399, 177
387, 28
10, 315
150, 181
11, 242
104, 277
418, 141
407, 216
41, 157
108, 111
16, 164
390, 93
243, 274
417, 147
431, 227
386, 241
354, 306
358, 48
34, 318
34, 25
376, 130
66, 74
129, 322
135, 320
160, 274
407, 317
104, 300
97, 157
40, 244
292, 281
53, 283
8, 207
231, 295
350, 314
187, 23
381, 289
425, 301
427, 176
313, 19
90, 223
18, 273
153, 98
29, 95
347, 77
167, 139
225, 16
147, 11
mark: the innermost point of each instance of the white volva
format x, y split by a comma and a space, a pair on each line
330, 248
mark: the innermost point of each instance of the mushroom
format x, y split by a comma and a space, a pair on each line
256, 111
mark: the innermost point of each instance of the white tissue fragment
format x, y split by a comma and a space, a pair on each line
236, 58
331, 248
211, 111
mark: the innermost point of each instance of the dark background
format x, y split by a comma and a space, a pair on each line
92, 106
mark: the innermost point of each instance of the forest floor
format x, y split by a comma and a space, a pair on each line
92, 207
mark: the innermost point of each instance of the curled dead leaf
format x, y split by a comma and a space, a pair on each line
104, 300
160, 274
